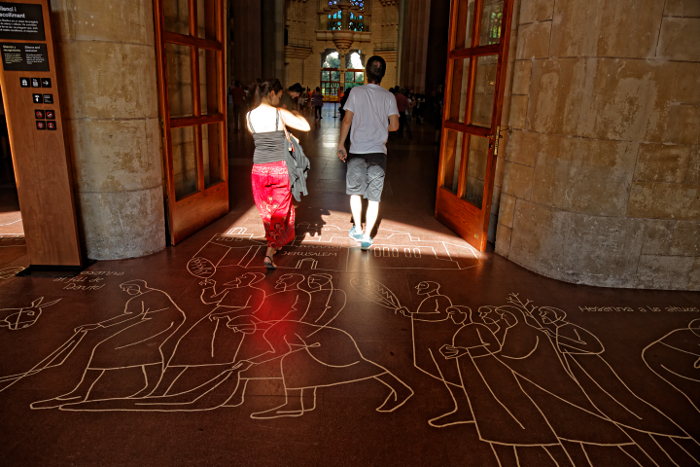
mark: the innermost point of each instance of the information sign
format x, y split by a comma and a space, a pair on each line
21, 22
24, 57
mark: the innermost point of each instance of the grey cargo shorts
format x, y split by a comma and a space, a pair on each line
365, 175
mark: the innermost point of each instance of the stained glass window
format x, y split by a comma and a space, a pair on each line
495, 27
335, 21
357, 3
356, 22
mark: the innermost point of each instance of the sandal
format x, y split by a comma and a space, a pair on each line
271, 264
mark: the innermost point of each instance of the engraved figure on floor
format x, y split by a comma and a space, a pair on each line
432, 328
311, 356
324, 304
504, 416
26, 316
675, 358
544, 378
134, 338
227, 387
208, 342
582, 356
326, 301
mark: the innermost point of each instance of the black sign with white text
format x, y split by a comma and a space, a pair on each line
24, 57
20, 22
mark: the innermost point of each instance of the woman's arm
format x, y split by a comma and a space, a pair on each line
294, 120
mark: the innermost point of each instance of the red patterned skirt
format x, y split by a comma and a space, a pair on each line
274, 201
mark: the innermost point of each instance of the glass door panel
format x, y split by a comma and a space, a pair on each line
177, 16
180, 92
330, 84
465, 24
184, 161
484, 90
459, 94
476, 170
211, 150
209, 75
491, 21
453, 148
206, 19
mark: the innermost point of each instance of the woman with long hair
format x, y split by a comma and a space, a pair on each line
270, 177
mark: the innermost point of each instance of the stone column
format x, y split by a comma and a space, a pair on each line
247, 46
108, 78
403, 6
273, 23
602, 173
414, 47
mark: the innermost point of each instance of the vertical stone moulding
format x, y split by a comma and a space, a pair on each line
108, 68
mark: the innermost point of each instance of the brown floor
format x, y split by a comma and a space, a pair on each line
338, 357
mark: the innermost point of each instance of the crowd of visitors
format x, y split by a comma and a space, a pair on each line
414, 108
242, 99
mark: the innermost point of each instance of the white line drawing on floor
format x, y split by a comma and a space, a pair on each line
283, 336
328, 355
332, 249
531, 378
134, 338
524, 376
675, 358
24, 317
431, 327
10, 271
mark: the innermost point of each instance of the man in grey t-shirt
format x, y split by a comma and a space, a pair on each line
372, 113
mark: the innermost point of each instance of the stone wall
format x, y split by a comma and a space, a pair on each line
108, 76
602, 173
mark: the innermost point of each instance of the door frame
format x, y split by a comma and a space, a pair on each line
469, 221
195, 211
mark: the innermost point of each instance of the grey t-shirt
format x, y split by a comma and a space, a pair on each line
371, 106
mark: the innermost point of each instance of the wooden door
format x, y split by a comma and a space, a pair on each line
476, 72
330, 84
192, 92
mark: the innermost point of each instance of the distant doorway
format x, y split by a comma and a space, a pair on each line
11, 226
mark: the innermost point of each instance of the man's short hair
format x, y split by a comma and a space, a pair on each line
376, 68
296, 87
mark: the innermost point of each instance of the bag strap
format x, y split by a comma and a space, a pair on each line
286, 133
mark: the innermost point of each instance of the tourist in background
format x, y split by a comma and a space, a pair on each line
317, 103
288, 96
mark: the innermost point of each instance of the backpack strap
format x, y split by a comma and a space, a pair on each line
286, 134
